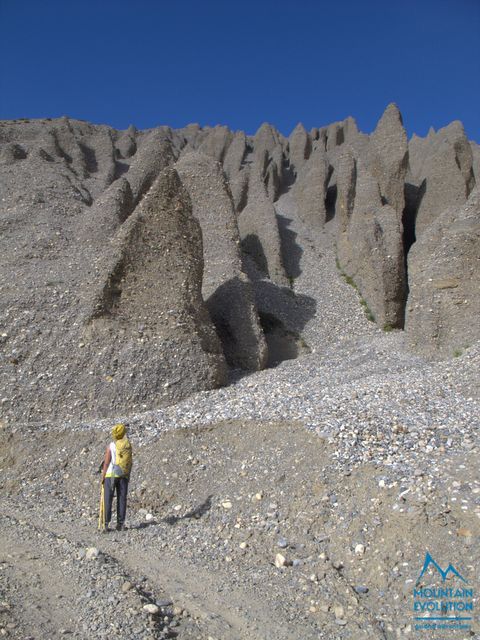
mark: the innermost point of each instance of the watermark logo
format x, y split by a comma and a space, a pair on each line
449, 570
441, 607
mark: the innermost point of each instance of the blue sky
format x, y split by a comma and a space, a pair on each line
152, 62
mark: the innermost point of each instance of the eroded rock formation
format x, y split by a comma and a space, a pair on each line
444, 271
110, 299
370, 245
444, 170
226, 288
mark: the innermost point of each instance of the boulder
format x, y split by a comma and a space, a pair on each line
443, 273
226, 288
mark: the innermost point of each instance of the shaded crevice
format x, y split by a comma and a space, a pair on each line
224, 332
291, 251
288, 178
120, 169
109, 300
233, 314
330, 173
45, 155
61, 152
283, 344
83, 193
90, 158
331, 202
252, 246
14, 152
413, 198
243, 196
248, 155
471, 183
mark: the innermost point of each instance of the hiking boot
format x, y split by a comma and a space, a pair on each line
120, 527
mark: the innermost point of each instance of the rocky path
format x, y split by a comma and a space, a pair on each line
237, 531
48, 607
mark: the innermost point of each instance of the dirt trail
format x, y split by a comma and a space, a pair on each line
47, 596
234, 614
223, 502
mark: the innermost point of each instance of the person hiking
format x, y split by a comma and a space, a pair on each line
117, 466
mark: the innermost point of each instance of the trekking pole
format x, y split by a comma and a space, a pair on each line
101, 516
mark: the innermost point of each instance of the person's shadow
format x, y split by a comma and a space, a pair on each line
196, 513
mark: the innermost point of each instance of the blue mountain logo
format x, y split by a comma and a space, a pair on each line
444, 573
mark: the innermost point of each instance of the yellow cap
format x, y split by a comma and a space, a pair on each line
119, 431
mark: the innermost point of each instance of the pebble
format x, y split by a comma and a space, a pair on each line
92, 553
166, 602
280, 560
151, 608
338, 611
361, 589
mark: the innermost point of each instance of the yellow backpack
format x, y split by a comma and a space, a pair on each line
123, 458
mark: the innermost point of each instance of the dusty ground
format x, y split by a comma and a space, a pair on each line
209, 511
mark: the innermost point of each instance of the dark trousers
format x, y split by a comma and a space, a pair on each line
120, 487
